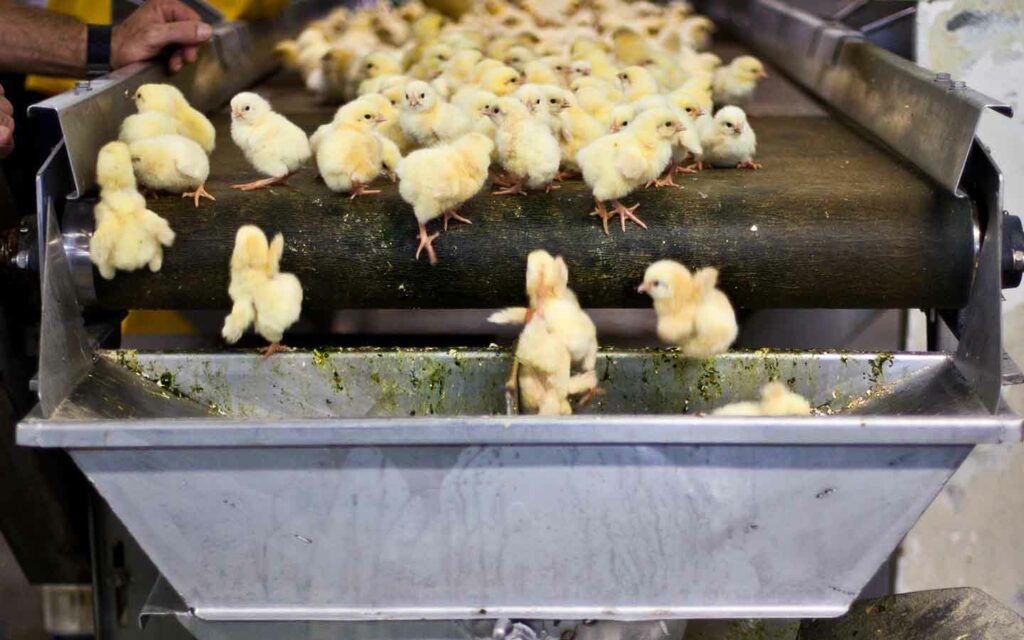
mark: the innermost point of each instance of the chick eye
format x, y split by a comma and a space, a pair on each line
668, 124
394, 103
559, 67
537, 101
369, 65
656, 283
728, 124
367, 116
553, 101
423, 95
246, 108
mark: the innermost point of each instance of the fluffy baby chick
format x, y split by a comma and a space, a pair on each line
696, 32
621, 116
501, 81
172, 162
274, 145
544, 370
168, 99
351, 155
637, 82
375, 64
776, 400
630, 47
128, 236
616, 164
477, 105
695, 90
458, 71
692, 313
734, 83
260, 293
432, 62
597, 97
545, 71
436, 181
428, 119
731, 142
517, 57
527, 149
545, 103
579, 69
547, 287
685, 144
578, 129
140, 126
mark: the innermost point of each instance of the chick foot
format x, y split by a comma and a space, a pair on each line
678, 168
200, 192
562, 176
270, 350
427, 242
663, 181
696, 166
749, 164
516, 188
359, 190
627, 212
551, 186
452, 214
603, 213
260, 184
587, 397
503, 179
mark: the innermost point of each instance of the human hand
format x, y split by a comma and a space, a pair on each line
6, 126
154, 26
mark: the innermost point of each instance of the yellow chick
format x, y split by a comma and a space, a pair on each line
695, 91
128, 236
545, 103
498, 47
776, 400
696, 32
274, 145
544, 371
458, 71
731, 141
172, 162
140, 126
693, 63
351, 155
527, 149
390, 129
630, 47
436, 181
477, 104
331, 79
481, 68
260, 293
621, 117
597, 97
578, 129
579, 69
501, 81
734, 83
686, 144
637, 82
547, 287
692, 313
374, 65
427, 118
616, 164
431, 63
545, 71
168, 99
517, 57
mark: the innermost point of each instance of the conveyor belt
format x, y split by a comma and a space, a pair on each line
832, 220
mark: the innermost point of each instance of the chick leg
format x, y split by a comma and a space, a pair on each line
698, 165
749, 164
452, 214
200, 192
359, 190
568, 174
678, 168
666, 179
271, 349
426, 242
603, 213
513, 188
627, 212
260, 184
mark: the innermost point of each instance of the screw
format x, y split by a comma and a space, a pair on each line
943, 77
1018, 260
21, 259
956, 85
83, 85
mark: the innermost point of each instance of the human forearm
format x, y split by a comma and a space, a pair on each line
44, 42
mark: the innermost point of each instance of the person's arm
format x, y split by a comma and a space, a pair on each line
44, 42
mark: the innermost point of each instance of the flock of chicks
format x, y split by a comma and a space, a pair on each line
544, 91
539, 91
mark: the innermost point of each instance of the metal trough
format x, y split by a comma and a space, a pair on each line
390, 485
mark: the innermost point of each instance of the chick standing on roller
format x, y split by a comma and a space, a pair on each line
428, 119
527, 149
692, 313
271, 143
436, 181
128, 236
168, 99
261, 294
730, 142
172, 162
351, 154
616, 164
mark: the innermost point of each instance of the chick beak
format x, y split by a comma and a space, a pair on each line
739, 129
379, 119
762, 74
644, 288
565, 105
680, 126
614, 127
235, 114
585, 72
700, 112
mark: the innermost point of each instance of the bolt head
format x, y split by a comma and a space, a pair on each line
943, 77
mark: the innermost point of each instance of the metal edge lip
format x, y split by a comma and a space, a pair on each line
627, 614
521, 431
